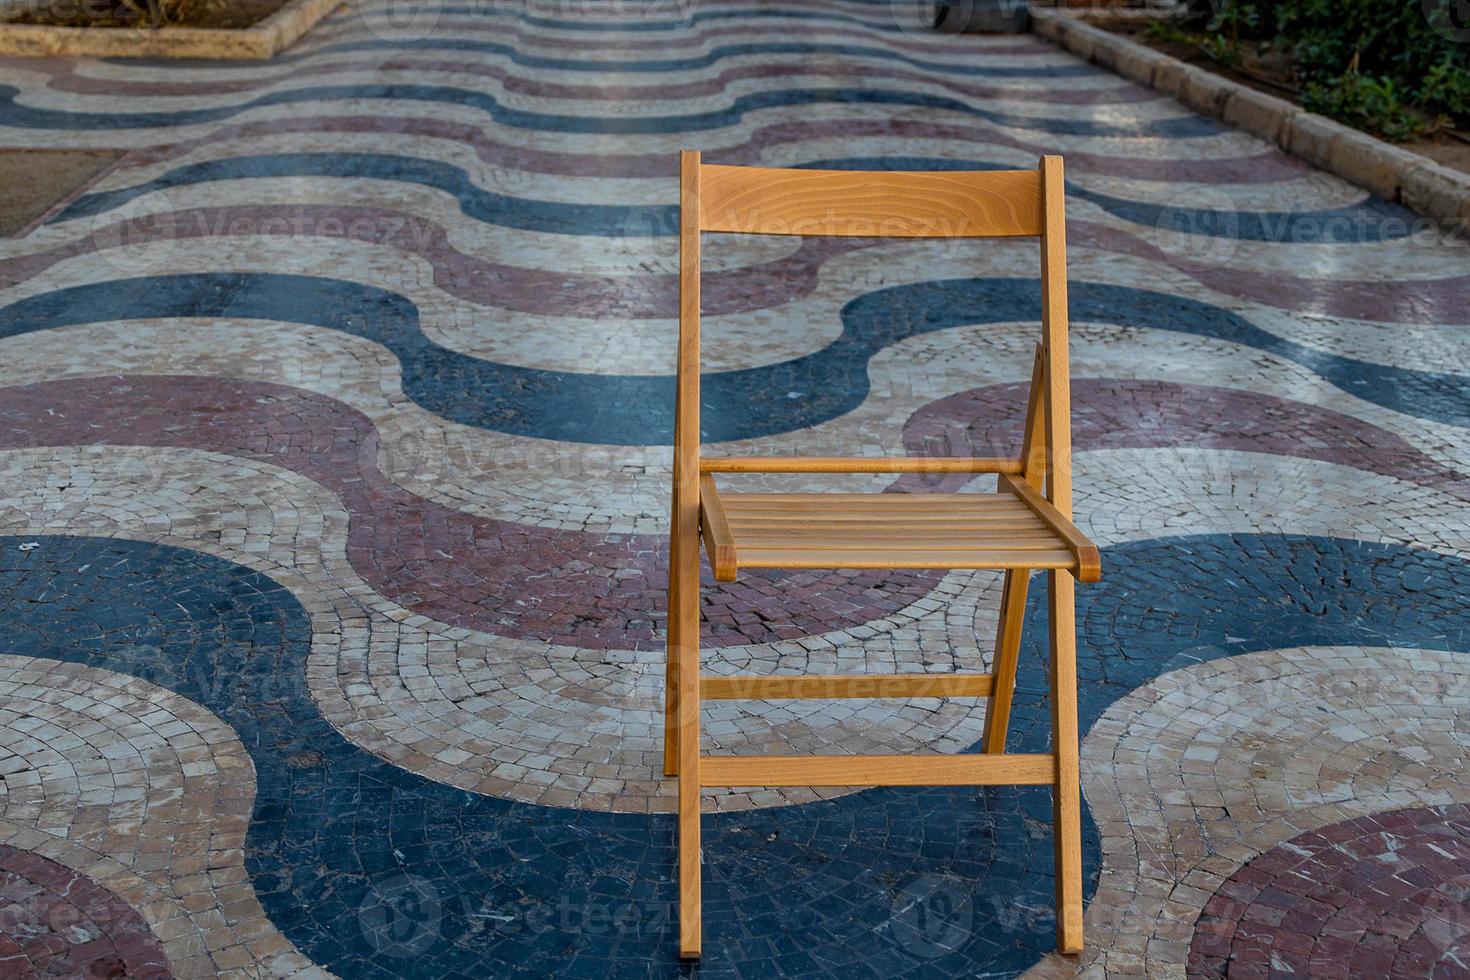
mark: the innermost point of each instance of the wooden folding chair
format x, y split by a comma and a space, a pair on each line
1024, 525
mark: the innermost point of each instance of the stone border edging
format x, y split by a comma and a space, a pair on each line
1389, 171
265, 40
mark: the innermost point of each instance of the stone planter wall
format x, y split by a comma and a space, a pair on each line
1391, 172
266, 39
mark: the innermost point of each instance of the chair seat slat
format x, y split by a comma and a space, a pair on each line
912, 559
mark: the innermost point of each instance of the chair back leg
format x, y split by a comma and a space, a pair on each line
1067, 794
687, 710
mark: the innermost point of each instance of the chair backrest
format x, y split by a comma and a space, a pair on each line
940, 204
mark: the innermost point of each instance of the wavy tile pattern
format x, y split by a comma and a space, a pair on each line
1370, 220
742, 404
1382, 895
337, 834
335, 420
61, 924
14, 113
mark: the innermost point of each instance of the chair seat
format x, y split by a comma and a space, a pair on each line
883, 530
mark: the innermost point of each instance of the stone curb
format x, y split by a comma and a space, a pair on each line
1391, 172
265, 40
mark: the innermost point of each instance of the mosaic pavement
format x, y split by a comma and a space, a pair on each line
333, 462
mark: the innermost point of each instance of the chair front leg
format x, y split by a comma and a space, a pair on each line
1067, 794
671, 665
1007, 654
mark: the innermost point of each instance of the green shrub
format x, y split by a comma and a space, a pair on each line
122, 13
1358, 58
1371, 104
1222, 49
1447, 89
1167, 30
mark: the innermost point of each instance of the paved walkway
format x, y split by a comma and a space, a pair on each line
333, 476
